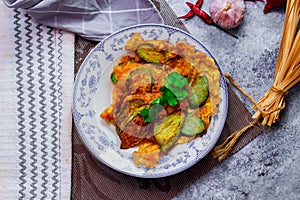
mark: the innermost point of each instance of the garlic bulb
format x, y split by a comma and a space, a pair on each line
227, 13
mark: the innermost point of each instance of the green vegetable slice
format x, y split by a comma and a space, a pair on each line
140, 79
193, 125
150, 54
113, 77
128, 112
198, 92
167, 130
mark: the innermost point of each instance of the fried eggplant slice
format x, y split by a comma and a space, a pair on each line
140, 81
198, 92
135, 133
167, 130
127, 115
150, 54
193, 125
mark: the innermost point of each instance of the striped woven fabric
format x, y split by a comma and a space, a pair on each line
36, 76
91, 19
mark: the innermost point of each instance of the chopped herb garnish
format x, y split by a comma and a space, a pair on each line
145, 113
178, 84
175, 89
113, 77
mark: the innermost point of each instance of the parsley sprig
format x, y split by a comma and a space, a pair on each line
174, 90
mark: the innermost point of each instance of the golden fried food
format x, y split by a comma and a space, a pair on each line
163, 95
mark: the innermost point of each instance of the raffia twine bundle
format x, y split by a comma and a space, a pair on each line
287, 75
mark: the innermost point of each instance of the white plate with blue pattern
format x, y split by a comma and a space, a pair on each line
92, 94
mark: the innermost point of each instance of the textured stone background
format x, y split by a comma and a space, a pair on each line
269, 166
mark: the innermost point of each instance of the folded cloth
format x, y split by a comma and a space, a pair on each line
36, 80
91, 19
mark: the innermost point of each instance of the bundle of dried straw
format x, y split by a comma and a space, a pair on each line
287, 68
287, 75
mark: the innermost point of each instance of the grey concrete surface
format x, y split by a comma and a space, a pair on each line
269, 166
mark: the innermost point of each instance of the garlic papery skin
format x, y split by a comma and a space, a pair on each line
227, 13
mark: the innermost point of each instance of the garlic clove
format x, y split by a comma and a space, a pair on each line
227, 13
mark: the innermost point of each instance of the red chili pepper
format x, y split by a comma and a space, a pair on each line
197, 11
206, 18
274, 4
187, 15
191, 13
255, 0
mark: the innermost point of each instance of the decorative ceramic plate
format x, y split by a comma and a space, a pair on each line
93, 93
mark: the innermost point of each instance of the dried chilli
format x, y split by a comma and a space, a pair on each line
206, 18
191, 13
200, 13
274, 4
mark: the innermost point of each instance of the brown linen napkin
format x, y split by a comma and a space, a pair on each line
94, 180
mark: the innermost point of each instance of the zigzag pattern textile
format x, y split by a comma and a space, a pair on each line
37, 72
